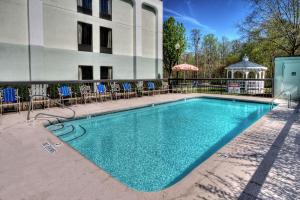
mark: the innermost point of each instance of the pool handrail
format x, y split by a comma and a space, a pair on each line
289, 99
49, 115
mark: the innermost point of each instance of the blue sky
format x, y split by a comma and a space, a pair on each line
219, 17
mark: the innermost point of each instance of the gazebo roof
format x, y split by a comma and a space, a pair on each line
246, 65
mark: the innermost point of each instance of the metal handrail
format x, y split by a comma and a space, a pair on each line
45, 114
280, 94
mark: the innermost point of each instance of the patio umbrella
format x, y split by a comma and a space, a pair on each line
185, 68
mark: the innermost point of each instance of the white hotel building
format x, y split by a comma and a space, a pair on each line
80, 39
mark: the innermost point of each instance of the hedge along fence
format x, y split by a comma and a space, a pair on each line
52, 87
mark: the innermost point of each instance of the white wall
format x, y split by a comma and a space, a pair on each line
13, 40
123, 29
59, 58
149, 35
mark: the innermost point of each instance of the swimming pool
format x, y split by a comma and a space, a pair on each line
152, 148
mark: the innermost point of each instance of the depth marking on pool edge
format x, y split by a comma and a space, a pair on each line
49, 147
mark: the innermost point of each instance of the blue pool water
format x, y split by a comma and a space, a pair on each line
152, 148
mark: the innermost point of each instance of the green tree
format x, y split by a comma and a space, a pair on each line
174, 43
274, 21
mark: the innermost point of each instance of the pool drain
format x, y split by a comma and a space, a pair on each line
49, 147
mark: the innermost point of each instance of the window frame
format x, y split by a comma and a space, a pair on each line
108, 67
103, 49
81, 9
80, 67
105, 15
85, 47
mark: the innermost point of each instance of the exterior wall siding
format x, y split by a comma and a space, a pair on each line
53, 45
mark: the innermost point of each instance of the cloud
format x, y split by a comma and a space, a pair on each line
189, 6
184, 18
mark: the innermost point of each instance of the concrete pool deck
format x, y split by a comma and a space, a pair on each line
261, 163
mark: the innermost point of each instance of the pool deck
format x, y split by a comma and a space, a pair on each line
261, 163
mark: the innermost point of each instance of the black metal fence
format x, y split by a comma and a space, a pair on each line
245, 87
251, 87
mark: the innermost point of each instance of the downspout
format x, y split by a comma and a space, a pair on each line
29, 42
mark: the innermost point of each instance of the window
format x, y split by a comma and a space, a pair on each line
84, 36
105, 40
106, 73
85, 73
84, 6
294, 73
105, 9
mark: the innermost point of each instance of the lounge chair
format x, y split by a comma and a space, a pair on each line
150, 88
165, 87
65, 94
128, 91
9, 96
116, 91
42, 98
102, 92
86, 93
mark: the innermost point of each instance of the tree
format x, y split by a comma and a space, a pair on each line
274, 21
195, 44
224, 49
210, 48
174, 43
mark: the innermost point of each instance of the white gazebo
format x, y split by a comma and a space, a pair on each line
246, 67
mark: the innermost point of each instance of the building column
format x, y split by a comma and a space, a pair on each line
35, 40
232, 74
137, 36
247, 73
227, 74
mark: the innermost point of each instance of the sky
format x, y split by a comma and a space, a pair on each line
219, 17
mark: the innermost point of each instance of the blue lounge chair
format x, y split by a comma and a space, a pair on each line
150, 88
102, 92
9, 96
65, 93
128, 91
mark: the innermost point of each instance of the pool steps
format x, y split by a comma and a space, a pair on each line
69, 133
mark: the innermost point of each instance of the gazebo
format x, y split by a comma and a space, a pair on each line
246, 67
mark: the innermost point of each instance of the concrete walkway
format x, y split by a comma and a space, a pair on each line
261, 163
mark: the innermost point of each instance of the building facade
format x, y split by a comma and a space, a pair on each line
80, 39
